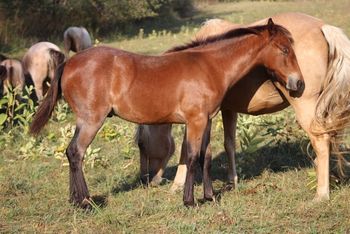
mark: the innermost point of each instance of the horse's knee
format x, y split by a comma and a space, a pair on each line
73, 156
192, 163
229, 144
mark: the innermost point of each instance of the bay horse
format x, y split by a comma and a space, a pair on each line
185, 87
323, 53
40, 62
11, 75
76, 39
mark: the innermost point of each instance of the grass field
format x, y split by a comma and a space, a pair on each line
273, 195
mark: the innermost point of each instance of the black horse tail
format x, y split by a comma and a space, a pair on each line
56, 58
48, 104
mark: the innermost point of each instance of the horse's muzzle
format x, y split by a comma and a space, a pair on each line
295, 84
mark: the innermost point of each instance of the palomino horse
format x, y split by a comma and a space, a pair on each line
323, 53
12, 75
76, 39
102, 80
40, 62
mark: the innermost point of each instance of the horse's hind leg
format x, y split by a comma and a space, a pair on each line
83, 136
229, 119
181, 171
38, 85
321, 146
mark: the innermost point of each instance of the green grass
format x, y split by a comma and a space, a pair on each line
272, 196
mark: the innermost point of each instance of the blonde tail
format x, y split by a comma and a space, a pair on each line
333, 106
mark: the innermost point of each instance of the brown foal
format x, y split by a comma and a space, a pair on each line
186, 87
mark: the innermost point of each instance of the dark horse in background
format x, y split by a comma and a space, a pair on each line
323, 53
76, 39
101, 80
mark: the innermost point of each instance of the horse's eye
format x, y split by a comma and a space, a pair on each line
285, 51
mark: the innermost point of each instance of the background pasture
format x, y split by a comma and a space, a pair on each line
275, 189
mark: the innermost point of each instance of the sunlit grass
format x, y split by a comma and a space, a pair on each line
272, 197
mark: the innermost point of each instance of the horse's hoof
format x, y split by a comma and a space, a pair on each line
189, 203
176, 187
210, 198
81, 203
320, 198
232, 184
86, 204
156, 181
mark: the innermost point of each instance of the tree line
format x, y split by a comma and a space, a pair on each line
30, 21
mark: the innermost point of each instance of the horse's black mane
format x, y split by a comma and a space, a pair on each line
238, 32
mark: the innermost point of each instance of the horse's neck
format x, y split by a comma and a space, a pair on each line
238, 57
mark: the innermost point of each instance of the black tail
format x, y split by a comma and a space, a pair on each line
3, 72
10, 76
57, 57
47, 106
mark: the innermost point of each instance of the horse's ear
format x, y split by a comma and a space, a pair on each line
271, 27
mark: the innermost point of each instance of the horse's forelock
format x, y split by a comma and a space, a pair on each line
285, 32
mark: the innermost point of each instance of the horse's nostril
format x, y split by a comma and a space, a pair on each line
300, 84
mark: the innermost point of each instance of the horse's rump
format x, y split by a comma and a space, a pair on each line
14, 75
40, 62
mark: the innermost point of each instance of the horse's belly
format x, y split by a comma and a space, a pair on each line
254, 95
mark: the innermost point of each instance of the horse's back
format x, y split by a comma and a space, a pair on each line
41, 47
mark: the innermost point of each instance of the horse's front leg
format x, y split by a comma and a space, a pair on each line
205, 159
229, 119
195, 130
